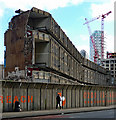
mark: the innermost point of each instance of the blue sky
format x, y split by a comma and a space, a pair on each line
69, 14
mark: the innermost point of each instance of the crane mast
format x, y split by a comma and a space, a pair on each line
93, 42
96, 55
102, 33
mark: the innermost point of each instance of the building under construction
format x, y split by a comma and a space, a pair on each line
37, 48
97, 39
98, 42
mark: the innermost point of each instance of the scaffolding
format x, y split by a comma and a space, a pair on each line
99, 46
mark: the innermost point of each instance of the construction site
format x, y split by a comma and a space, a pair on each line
97, 42
37, 48
42, 61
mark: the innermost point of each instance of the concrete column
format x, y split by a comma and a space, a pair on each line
98, 97
103, 97
107, 97
73, 98
43, 97
95, 97
89, 97
24, 92
69, 97
81, 97
30, 97
16, 94
5, 94
112, 97
77, 96
49, 97
36, 96
54, 96
92, 97
10, 108
64, 93
85, 92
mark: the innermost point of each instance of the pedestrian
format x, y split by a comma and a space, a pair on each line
58, 99
17, 106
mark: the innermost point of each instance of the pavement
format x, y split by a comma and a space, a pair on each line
23, 114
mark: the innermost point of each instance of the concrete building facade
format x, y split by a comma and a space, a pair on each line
37, 47
110, 64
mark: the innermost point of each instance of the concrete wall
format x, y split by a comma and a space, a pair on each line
42, 96
17, 46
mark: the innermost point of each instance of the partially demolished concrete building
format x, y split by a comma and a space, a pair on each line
38, 48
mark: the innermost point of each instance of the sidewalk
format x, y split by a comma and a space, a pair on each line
53, 112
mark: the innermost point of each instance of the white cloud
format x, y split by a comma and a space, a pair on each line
82, 43
109, 43
98, 1
1, 60
15, 4
99, 9
84, 37
1, 12
41, 4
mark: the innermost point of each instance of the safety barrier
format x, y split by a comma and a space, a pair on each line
42, 96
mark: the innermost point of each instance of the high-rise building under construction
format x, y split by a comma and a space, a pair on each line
98, 43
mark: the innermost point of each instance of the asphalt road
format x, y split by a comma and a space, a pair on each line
94, 115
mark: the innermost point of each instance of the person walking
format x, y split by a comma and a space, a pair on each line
58, 99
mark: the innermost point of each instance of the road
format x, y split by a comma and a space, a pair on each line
106, 114
95, 114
